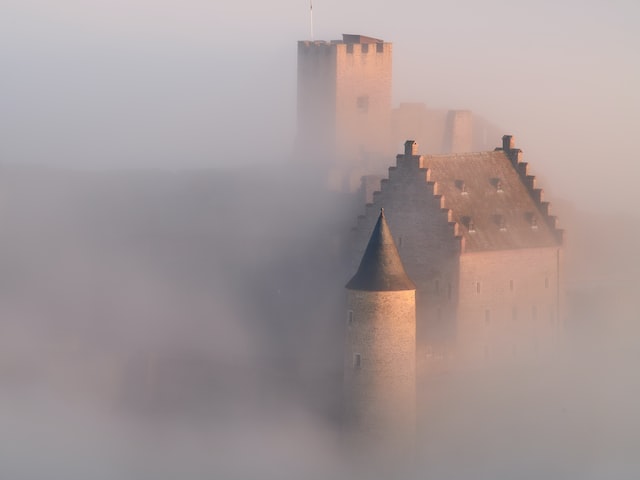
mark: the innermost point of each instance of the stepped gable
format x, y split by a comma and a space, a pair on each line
381, 269
493, 200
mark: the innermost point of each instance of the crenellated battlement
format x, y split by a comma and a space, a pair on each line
371, 46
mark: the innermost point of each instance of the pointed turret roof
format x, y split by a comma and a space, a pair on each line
381, 269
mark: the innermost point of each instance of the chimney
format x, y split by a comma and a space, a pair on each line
508, 142
411, 147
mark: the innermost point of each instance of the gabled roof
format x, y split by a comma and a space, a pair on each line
381, 269
493, 200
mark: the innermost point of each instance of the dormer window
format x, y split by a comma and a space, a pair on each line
497, 183
501, 222
462, 187
532, 219
467, 222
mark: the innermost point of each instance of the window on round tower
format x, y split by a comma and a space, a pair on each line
357, 360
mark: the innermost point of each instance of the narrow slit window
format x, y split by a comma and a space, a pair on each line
357, 360
362, 103
350, 317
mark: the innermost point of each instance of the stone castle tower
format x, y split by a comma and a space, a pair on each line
380, 353
344, 104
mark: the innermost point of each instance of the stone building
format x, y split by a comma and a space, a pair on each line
380, 353
475, 235
344, 101
346, 123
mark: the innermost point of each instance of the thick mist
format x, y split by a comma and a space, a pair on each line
195, 84
171, 284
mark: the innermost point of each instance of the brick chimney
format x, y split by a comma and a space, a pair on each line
508, 142
411, 147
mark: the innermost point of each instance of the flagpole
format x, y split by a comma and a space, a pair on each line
311, 17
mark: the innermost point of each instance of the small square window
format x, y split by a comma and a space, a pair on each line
357, 360
362, 103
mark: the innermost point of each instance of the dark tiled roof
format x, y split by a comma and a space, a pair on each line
381, 269
491, 201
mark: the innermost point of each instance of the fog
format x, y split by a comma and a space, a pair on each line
95, 84
171, 285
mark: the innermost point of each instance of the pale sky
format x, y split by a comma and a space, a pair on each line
195, 83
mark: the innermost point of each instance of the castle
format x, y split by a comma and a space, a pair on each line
483, 255
346, 124
476, 237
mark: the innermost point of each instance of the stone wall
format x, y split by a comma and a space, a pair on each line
363, 100
510, 305
380, 367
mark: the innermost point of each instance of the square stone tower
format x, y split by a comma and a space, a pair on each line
344, 101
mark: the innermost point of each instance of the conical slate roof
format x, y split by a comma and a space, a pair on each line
381, 269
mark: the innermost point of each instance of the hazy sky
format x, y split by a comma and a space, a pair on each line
168, 83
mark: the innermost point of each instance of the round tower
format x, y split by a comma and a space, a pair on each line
380, 353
